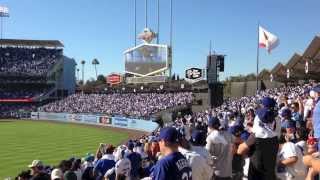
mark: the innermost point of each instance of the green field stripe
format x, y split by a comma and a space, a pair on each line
23, 141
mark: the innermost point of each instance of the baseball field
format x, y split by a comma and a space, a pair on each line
23, 141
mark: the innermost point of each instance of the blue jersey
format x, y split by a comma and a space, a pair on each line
102, 166
172, 167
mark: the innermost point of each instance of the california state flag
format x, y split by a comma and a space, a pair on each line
267, 40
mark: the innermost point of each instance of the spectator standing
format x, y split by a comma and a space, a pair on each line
173, 165
106, 162
263, 160
219, 145
290, 161
135, 160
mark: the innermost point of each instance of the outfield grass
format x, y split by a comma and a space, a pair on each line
23, 141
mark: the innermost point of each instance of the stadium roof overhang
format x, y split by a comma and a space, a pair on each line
31, 43
297, 64
279, 72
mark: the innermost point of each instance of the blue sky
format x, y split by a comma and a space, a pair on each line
103, 29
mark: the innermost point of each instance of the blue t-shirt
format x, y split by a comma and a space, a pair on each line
172, 167
296, 116
135, 160
102, 166
316, 120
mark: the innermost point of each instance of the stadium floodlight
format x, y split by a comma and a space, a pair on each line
4, 12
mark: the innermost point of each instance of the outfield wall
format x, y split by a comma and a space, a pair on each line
120, 122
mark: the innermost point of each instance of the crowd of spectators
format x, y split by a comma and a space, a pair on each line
130, 104
272, 135
9, 93
16, 110
27, 61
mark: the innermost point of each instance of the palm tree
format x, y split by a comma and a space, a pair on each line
95, 62
83, 62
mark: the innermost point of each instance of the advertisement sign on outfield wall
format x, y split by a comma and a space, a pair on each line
90, 118
120, 122
105, 120
34, 115
75, 117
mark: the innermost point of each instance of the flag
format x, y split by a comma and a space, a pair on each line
267, 40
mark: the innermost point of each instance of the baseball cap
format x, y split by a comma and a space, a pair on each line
268, 102
316, 89
213, 121
169, 134
286, 113
36, 163
265, 115
56, 174
197, 137
89, 157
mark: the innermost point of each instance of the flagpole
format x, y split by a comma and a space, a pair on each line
257, 78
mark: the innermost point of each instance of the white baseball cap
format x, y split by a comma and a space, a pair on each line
56, 174
36, 163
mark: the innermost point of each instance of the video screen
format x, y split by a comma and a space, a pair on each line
146, 59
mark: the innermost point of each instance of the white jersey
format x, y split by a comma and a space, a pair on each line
123, 166
204, 153
263, 130
296, 171
200, 168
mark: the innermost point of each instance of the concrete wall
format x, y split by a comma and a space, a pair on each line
240, 89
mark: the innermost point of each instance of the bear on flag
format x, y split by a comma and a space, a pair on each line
267, 40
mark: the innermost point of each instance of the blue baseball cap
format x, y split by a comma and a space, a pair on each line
268, 102
198, 137
286, 113
265, 115
316, 88
213, 121
169, 134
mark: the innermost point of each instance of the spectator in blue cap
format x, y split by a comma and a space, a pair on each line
198, 141
286, 116
173, 165
237, 160
266, 142
268, 102
219, 144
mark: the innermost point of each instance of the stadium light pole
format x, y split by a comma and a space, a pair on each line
135, 23
171, 23
158, 17
146, 15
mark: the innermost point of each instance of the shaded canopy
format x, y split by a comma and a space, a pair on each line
297, 64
